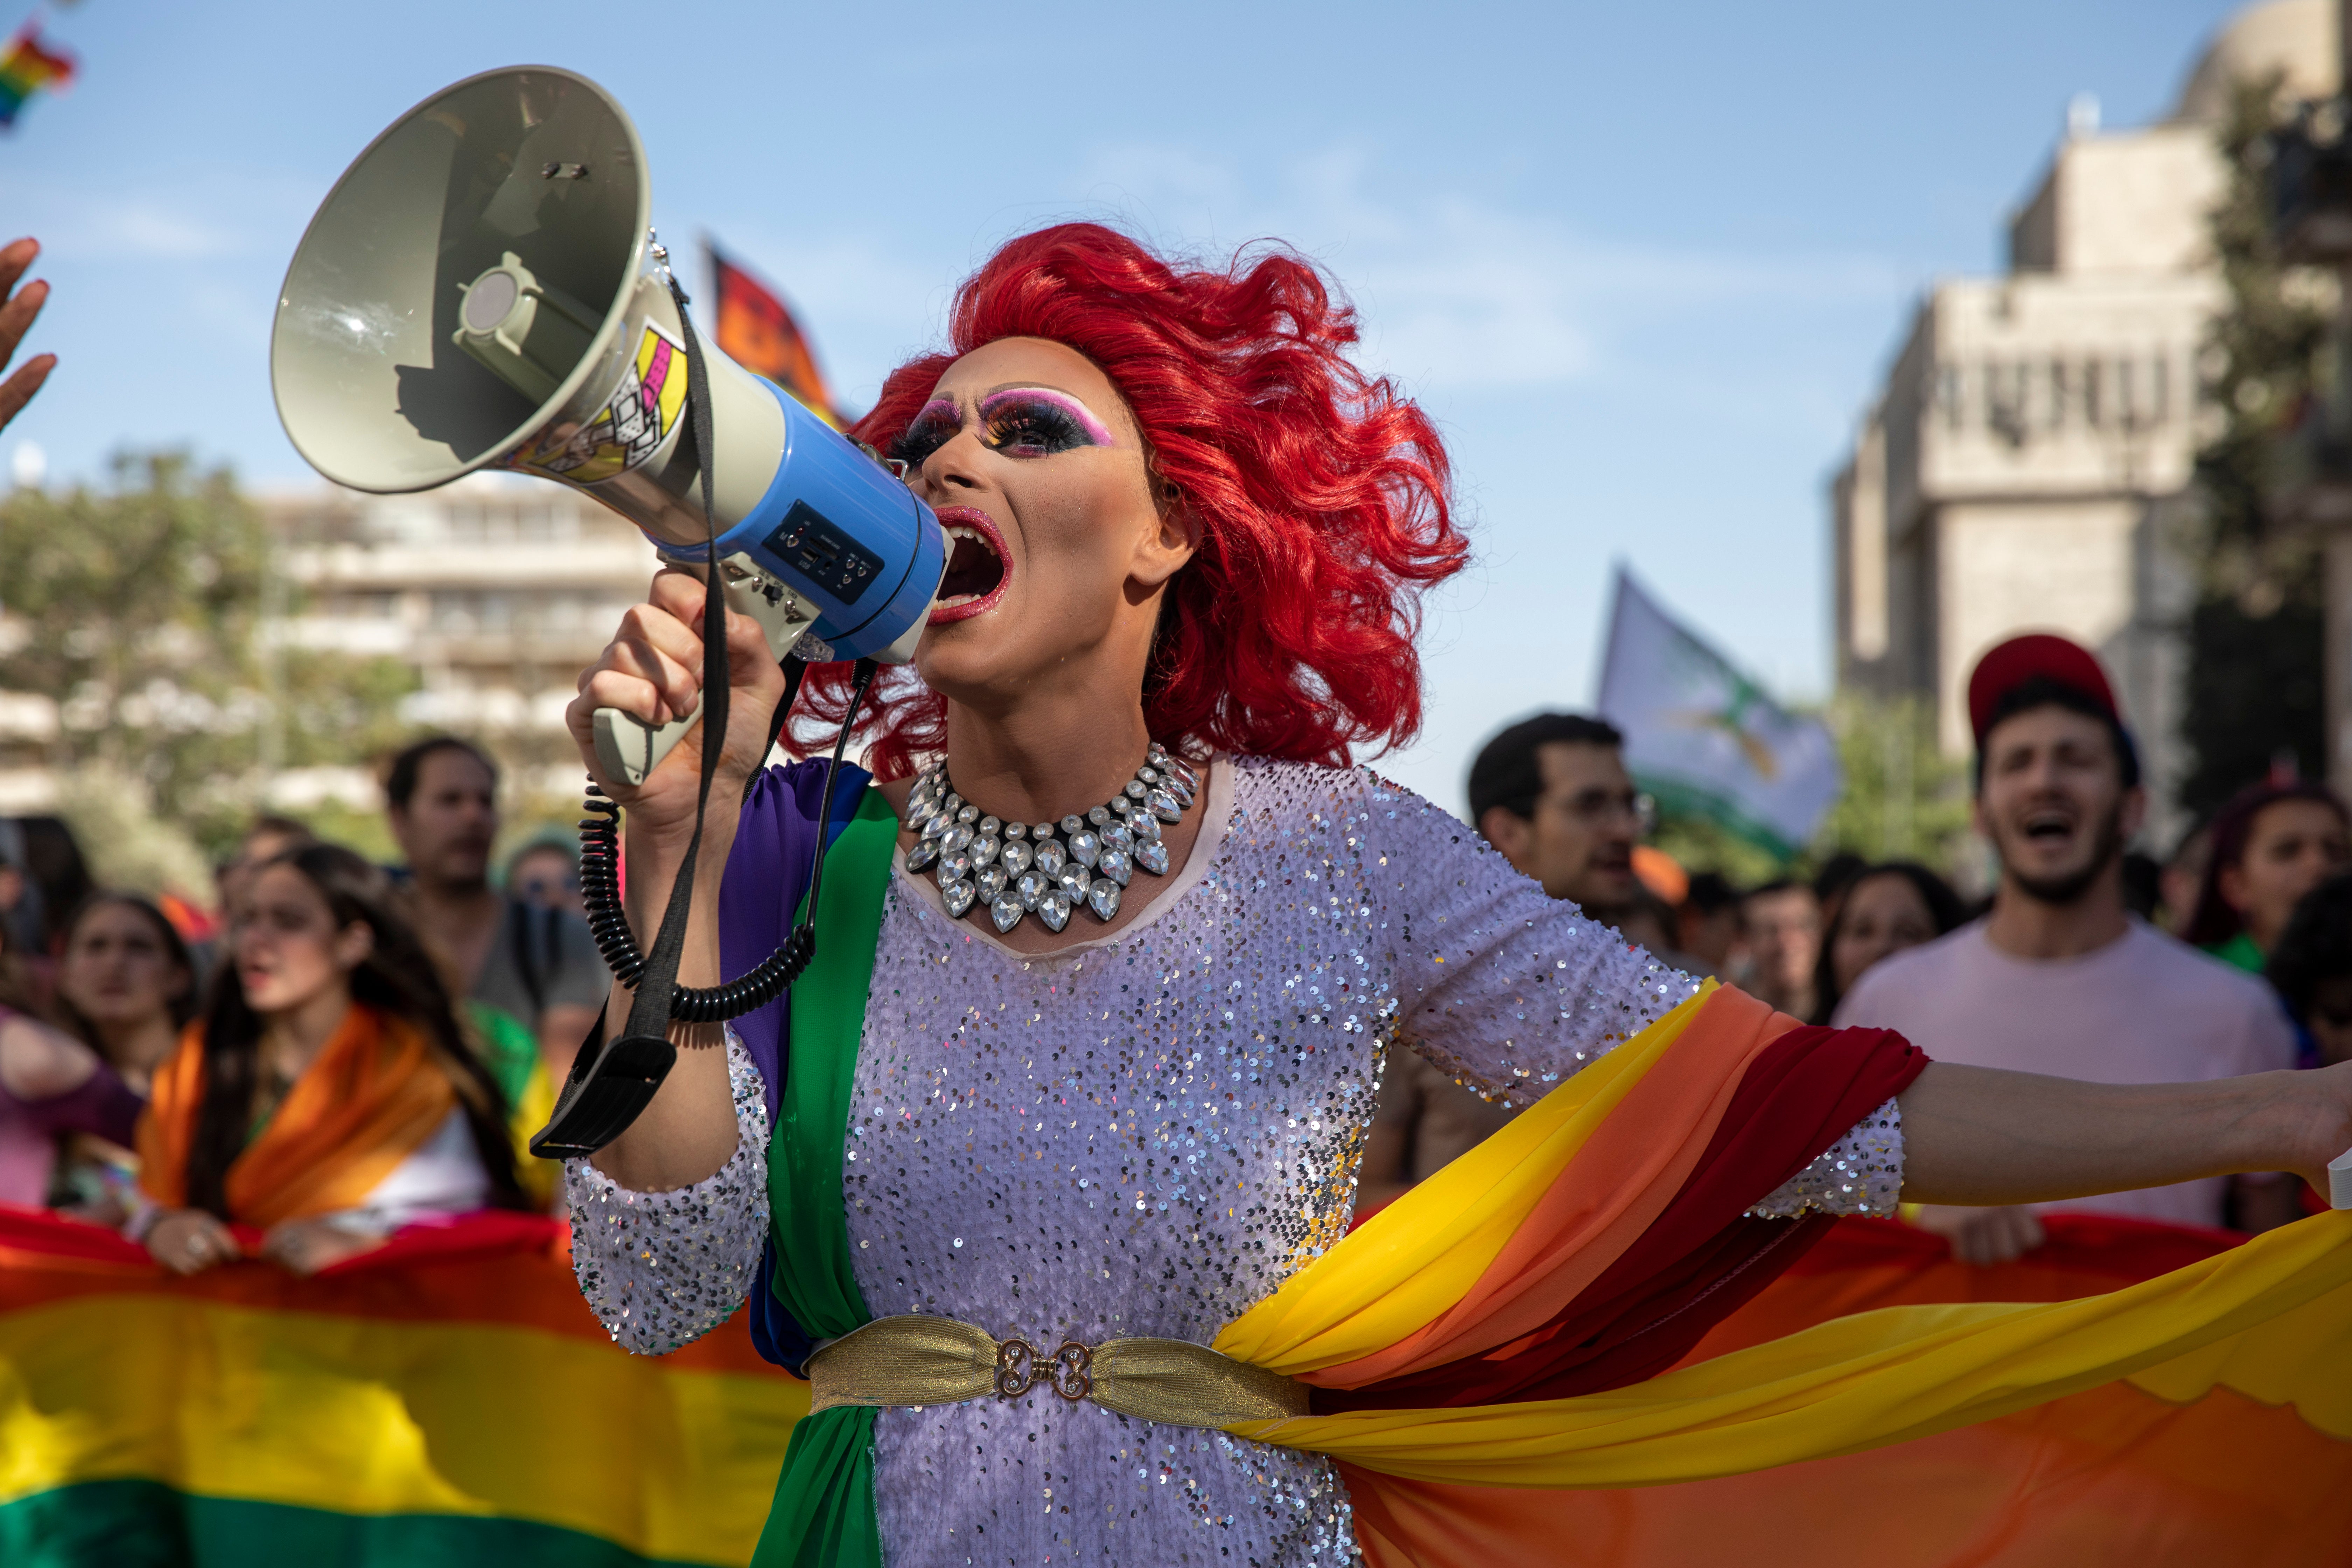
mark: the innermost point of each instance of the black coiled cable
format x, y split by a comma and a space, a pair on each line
599, 891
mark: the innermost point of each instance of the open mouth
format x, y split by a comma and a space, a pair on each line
978, 566
2050, 827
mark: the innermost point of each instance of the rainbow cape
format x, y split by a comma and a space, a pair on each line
25, 68
449, 1399
2155, 1469
1530, 1323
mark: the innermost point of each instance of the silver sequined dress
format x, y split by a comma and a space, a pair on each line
1146, 1134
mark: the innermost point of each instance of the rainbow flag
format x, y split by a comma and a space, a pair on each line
2156, 1470
25, 68
756, 330
449, 1399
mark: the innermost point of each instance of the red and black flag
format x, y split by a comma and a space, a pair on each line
757, 331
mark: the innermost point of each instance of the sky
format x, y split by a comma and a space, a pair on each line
1644, 264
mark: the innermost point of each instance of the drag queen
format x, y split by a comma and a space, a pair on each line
1043, 1174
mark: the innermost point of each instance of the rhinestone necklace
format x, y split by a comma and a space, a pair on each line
1046, 868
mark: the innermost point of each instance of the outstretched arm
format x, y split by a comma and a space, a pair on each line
1975, 1135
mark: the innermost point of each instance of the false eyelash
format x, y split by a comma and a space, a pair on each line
926, 435
1033, 425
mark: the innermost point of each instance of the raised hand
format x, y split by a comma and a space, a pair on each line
16, 321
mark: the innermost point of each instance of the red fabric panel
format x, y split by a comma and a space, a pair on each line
1702, 1258
512, 1270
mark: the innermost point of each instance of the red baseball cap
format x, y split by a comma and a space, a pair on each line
2008, 666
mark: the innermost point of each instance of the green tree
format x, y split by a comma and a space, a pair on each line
140, 608
1902, 799
2255, 633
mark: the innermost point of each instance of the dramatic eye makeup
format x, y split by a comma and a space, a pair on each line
1036, 421
934, 425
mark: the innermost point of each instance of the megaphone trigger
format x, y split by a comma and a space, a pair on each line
628, 749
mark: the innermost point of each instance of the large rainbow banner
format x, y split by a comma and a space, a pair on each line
449, 1399
2164, 1469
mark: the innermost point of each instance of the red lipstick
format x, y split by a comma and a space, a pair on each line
980, 568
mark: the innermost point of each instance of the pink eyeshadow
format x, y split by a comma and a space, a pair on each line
1095, 429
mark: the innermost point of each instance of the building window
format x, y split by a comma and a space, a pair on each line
1949, 395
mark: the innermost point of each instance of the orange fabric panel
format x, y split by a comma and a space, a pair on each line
2109, 1475
373, 1095
1604, 1198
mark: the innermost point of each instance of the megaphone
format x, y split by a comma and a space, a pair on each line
482, 289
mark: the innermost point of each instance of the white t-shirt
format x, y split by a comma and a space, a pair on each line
2143, 1009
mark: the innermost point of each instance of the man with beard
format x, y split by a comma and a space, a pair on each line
2059, 978
524, 968
1553, 795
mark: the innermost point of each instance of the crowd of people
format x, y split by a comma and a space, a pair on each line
2088, 960
361, 1047
351, 1049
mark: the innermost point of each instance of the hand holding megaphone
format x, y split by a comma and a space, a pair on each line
650, 677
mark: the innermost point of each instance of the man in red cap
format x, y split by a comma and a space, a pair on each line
2059, 978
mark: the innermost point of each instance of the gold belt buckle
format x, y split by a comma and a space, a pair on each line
1020, 1366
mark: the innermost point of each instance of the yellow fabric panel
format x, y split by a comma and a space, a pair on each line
1401, 1267
541, 1180
373, 1417
2303, 1357
2274, 1312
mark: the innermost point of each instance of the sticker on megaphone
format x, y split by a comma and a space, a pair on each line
482, 289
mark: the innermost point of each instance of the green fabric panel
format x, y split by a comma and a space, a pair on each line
814, 1277
509, 1048
145, 1524
824, 1513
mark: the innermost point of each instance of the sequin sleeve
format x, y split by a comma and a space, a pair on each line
1505, 989
663, 1268
1861, 1173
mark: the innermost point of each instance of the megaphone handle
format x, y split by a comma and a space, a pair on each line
2340, 1181
628, 749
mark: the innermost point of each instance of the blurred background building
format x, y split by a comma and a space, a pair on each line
495, 590
2028, 462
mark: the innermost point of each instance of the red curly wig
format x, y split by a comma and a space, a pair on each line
1320, 497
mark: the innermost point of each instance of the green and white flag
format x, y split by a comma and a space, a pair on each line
1706, 741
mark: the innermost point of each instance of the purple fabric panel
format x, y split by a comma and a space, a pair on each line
766, 872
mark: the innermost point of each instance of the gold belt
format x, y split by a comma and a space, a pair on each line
922, 1360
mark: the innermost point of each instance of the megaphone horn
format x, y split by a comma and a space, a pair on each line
482, 289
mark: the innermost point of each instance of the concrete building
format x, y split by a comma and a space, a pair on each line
2026, 465
497, 589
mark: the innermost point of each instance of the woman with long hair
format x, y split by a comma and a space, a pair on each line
53, 1090
1883, 910
327, 1096
126, 983
126, 986
1068, 1110
2272, 844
